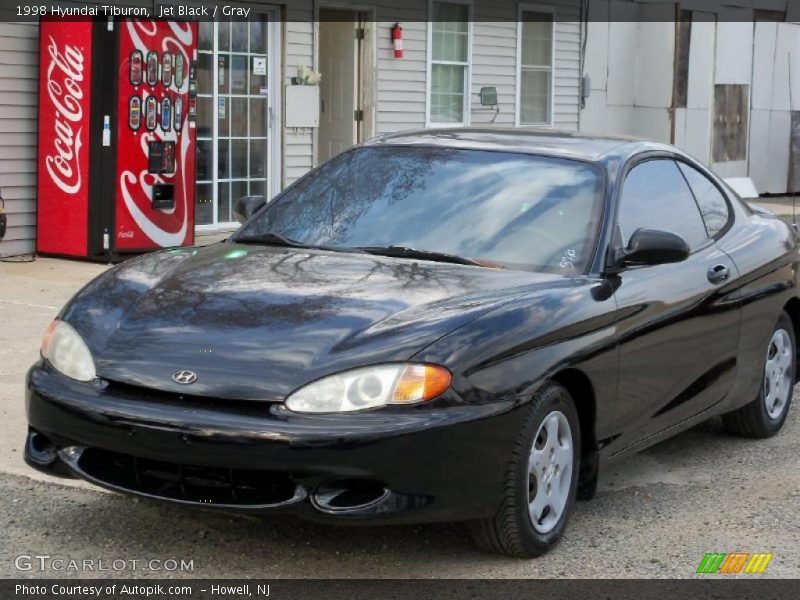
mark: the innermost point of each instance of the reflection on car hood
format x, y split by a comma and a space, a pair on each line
256, 322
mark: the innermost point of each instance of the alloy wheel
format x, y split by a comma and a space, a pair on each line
778, 373
550, 472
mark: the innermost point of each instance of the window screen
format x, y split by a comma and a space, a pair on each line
449, 62
536, 67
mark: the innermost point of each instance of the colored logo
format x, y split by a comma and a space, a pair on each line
735, 562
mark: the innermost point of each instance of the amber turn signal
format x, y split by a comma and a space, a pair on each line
418, 383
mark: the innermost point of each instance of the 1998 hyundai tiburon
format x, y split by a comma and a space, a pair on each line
449, 325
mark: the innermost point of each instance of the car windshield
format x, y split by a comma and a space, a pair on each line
478, 207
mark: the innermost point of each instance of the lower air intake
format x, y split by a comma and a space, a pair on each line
187, 483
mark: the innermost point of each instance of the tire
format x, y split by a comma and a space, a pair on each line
512, 530
764, 416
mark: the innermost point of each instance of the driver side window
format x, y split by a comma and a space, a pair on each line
655, 196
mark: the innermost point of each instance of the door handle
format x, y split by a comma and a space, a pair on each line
718, 273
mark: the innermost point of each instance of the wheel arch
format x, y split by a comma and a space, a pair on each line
792, 308
582, 391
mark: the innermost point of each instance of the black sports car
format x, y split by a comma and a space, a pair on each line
448, 325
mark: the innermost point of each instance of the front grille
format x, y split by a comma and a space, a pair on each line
144, 395
174, 481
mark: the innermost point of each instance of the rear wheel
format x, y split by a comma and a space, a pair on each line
541, 480
765, 415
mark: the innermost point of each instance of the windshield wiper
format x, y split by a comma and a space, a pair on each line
406, 252
269, 239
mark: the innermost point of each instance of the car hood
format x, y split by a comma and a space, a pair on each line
257, 322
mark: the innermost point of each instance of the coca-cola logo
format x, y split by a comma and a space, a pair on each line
64, 79
136, 184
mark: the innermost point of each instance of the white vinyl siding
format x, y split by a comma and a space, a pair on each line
298, 143
19, 62
449, 63
495, 61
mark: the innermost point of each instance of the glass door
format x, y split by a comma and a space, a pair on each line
235, 155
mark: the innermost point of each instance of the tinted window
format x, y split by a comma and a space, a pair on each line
655, 196
712, 203
520, 210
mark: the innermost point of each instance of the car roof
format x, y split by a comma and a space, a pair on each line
547, 142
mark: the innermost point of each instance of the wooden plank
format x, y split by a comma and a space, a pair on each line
730, 122
794, 161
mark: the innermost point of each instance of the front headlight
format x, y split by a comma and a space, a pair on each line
370, 387
67, 352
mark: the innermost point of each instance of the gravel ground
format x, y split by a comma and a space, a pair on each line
655, 516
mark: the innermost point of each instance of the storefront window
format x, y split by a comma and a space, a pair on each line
232, 117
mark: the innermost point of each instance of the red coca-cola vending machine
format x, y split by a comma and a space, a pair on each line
116, 137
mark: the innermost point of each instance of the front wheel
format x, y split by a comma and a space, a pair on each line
765, 415
541, 480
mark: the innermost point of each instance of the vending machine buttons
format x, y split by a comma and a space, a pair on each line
166, 69
179, 70
150, 110
135, 67
135, 113
178, 113
166, 114
152, 68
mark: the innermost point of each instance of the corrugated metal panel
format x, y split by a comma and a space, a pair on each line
19, 63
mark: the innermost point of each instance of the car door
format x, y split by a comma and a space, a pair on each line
679, 324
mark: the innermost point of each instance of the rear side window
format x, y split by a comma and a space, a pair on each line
655, 196
712, 203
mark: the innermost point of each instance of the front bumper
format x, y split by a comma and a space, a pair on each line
432, 463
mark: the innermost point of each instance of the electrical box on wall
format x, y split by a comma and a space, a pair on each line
302, 106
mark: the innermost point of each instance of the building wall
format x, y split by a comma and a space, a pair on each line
630, 65
19, 65
402, 83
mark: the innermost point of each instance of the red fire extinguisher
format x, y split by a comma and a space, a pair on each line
397, 40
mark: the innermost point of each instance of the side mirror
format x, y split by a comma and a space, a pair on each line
247, 206
653, 247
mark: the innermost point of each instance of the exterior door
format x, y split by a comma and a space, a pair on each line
338, 59
679, 328
237, 81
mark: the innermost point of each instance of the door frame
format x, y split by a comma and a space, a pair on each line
274, 116
367, 71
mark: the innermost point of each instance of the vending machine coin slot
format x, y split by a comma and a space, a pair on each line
192, 94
